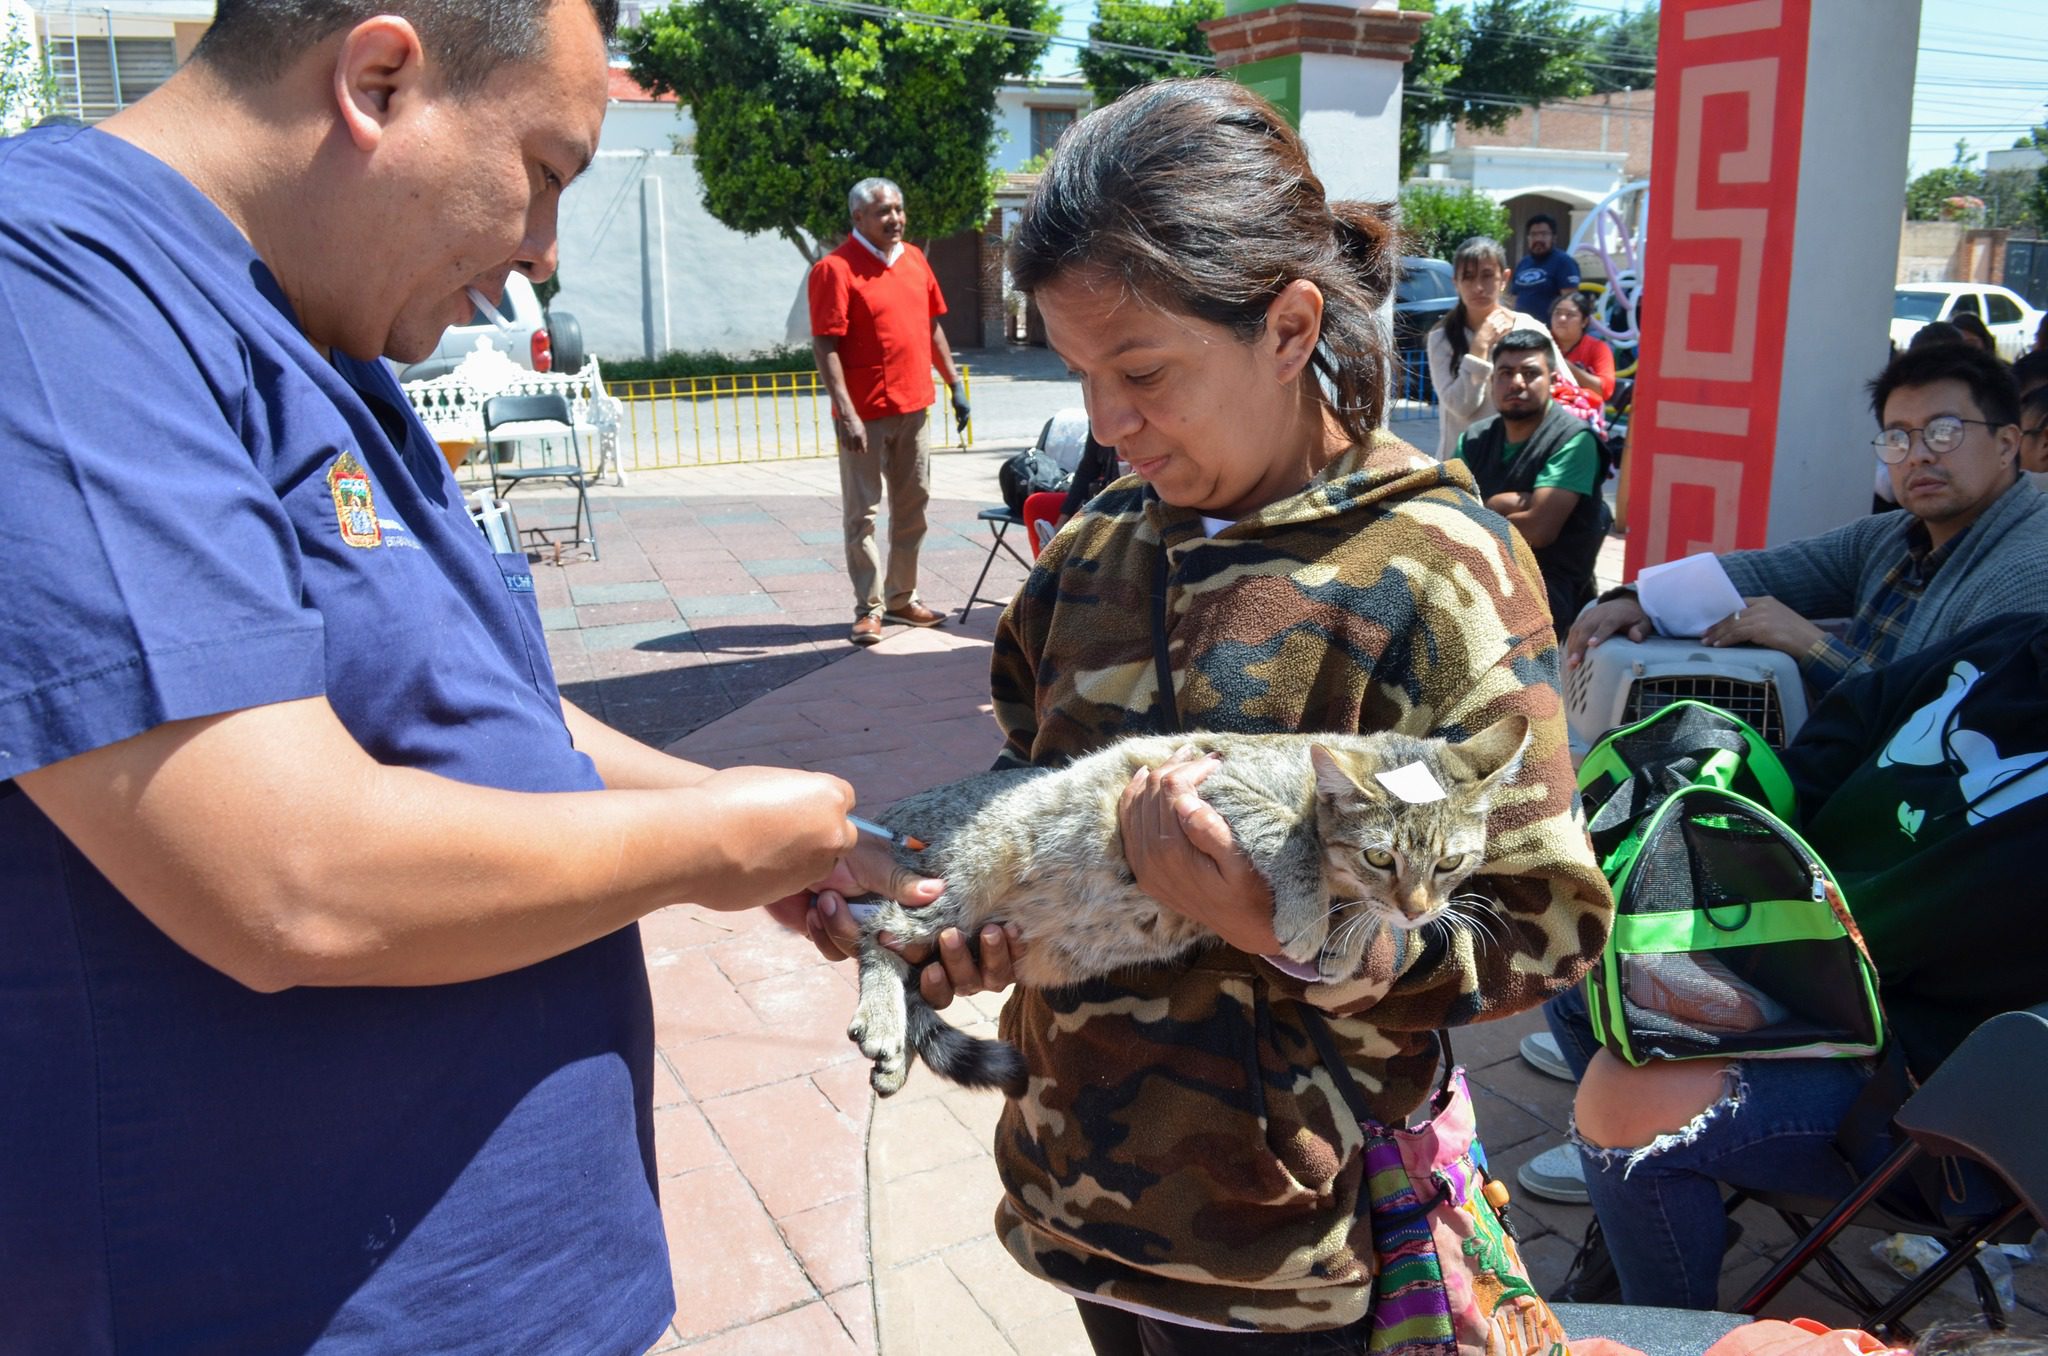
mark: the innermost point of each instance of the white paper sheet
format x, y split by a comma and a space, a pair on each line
1685, 597
1413, 783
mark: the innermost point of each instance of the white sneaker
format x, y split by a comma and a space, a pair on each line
1557, 1174
1540, 1048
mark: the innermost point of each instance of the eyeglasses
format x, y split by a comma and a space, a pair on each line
1943, 434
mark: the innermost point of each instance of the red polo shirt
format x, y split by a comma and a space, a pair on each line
883, 316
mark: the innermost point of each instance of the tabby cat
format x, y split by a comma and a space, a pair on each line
1352, 832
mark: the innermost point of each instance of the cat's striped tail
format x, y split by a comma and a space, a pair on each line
953, 1054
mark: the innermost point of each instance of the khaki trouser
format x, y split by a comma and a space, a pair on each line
899, 455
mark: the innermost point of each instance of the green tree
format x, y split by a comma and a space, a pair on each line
1925, 195
27, 89
1481, 63
1438, 220
2034, 201
1624, 52
1174, 26
794, 103
2009, 199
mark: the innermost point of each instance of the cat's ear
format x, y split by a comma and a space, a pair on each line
1493, 755
1333, 781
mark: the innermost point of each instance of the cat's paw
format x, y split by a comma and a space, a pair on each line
878, 1029
888, 1075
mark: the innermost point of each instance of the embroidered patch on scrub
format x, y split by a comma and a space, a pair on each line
518, 583
1413, 783
354, 505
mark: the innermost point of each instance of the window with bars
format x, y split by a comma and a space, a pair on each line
1047, 126
106, 77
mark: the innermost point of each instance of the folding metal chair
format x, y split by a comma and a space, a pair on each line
1000, 519
516, 420
1986, 1104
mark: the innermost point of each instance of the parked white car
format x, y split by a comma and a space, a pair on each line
537, 340
2005, 313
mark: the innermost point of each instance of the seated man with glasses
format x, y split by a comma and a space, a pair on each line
1969, 543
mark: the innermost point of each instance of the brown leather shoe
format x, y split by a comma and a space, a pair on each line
914, 614
867, 631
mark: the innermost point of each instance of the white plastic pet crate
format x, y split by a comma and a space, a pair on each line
1621, 681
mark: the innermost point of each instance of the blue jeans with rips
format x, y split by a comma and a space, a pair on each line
1660, 1207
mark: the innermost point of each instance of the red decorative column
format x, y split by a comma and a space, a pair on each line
1776, 187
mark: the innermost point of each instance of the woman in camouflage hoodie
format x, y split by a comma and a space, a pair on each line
1182, 1160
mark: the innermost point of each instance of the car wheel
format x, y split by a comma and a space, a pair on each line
565, 338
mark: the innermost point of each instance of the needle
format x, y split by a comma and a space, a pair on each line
887, 835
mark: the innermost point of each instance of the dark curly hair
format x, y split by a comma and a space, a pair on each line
1989, 380
1198, 195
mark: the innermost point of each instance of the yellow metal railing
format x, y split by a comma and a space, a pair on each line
744, 417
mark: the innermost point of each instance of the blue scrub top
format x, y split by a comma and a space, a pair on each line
203, 514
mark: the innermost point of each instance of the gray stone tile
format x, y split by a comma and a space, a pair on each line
729, 605
764, 569
821, 537
656, 635
558, 619
639, 591
728, 517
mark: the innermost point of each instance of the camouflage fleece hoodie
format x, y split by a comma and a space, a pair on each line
1181, 1150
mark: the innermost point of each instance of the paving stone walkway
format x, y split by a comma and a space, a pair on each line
802, 1218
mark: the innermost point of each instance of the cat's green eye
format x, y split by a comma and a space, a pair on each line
1450, 864
1379, 857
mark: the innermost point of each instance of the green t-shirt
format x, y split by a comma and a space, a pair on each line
1575, 466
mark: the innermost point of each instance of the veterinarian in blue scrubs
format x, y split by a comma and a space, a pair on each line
323, 1020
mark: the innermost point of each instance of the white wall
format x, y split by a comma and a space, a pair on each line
1350, 122
645, 127
645, 269
1502, 172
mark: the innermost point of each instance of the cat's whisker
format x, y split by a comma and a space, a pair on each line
1341, 936
1476, 912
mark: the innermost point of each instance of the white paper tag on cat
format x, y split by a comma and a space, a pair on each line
1414, 783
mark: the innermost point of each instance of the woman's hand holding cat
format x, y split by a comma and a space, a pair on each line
955, 975
1184, 855
821, 914
820, 911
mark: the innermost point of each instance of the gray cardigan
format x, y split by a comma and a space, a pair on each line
1999, 565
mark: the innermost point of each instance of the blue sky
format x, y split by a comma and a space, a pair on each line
1983, 75
1983, 70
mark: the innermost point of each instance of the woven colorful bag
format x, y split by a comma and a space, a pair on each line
1449, 1280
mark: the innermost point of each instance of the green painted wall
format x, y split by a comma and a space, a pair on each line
1277, 80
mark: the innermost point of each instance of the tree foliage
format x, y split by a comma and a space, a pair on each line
1926, 195
1174, 26
2033, 196
1438, 220
26, 86
1480, 63
2016, 199
1624, 51
795, 103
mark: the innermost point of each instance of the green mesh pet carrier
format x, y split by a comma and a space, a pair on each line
1731, 938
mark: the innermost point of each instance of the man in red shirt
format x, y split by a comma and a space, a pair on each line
875, 309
